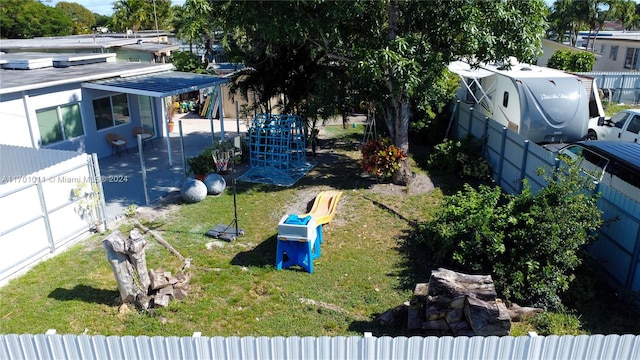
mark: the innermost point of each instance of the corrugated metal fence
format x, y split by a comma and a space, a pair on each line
619, 87
38, 347
513, 158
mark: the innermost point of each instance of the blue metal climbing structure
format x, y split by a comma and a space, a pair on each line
277, 150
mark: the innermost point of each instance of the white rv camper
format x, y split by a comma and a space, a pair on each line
542, 104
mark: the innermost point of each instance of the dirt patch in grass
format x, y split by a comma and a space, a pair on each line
420, 184
164, 207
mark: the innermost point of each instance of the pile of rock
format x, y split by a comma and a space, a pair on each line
456, 304
146, 289
165, 287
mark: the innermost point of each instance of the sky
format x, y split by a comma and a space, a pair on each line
102, 7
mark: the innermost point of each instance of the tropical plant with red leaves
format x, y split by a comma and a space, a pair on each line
381, 158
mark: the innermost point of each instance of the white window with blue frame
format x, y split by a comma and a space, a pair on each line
111, 111
59, 123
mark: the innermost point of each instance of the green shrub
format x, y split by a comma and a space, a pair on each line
381, 158
188, 62
461, 157
547, 323
560, 60
201, 164
466, 224
530, 243
572, 61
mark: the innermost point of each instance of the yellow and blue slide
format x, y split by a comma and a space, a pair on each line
324, 207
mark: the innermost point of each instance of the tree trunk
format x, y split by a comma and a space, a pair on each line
122, 269
398, 112
135, 250
403, 175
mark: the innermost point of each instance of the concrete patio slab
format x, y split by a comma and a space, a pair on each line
121, 174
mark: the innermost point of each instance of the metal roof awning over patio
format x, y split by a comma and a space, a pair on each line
159, 85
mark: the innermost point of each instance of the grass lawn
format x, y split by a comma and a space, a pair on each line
366, 268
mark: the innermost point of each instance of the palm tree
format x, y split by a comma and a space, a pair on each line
625, 12
564, 18
192, 23
129, 14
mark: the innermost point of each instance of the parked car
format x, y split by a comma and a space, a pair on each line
623, 126
614, 163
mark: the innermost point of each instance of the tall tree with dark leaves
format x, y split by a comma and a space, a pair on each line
83, 19
26, 19
625, 13
388, 49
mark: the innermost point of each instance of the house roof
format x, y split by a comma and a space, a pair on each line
36, 60
87, 42
31, 71
15, 81
152, 47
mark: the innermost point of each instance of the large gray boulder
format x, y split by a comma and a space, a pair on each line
215, 184
193, 190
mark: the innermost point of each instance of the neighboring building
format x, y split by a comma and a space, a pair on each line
549, 47
138, 47
615, 51
72, 101
619, 51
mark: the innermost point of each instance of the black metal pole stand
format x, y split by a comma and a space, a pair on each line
221, 231
235, 206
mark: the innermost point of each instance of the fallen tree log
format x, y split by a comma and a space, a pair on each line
487, 318
159, 239
517, 312
458, 304
451, 284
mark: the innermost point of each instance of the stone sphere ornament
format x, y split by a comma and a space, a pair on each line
193, 191
215, 184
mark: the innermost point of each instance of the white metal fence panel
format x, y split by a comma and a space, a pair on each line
36, 347
493, 150
57, 184
620, 87
512, 160
464, 127
38, 212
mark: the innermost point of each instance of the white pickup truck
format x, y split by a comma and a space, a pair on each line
623, 126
